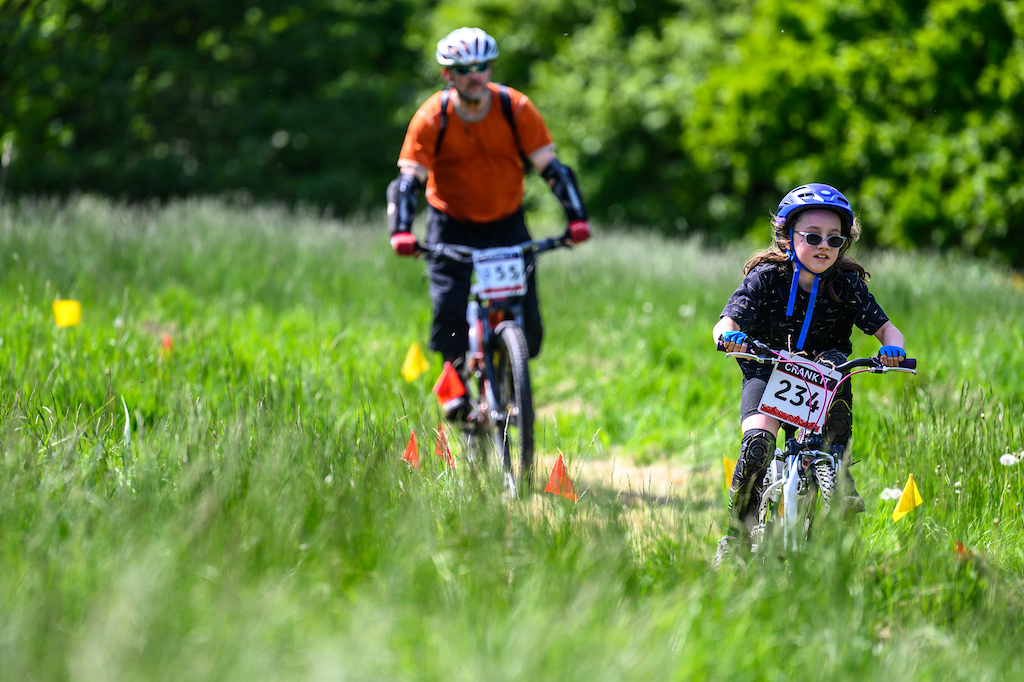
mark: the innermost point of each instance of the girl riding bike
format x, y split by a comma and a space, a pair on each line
804, 294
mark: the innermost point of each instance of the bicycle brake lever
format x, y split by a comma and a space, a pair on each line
750, 356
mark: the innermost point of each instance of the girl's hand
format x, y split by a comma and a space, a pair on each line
891, 356
733, 342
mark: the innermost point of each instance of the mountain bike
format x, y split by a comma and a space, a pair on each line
496, 364
804, 475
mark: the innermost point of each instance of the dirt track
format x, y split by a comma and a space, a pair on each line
663, 484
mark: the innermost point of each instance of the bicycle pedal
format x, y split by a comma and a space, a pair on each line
457, 409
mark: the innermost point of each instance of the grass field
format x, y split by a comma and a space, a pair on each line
203, 480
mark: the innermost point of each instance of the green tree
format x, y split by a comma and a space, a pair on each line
688, 116
908, 106
279, 99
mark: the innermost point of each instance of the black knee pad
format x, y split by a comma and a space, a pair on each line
755, 449
748, 477
839, 423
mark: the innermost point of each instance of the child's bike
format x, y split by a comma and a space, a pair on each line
498, 373
799, 393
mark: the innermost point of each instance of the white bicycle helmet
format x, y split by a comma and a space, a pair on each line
465, 46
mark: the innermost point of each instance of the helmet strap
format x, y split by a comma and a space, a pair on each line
797, 267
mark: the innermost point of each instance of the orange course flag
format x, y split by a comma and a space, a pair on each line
448, 385
442, 449
908, 500
560, 483
67, 313
412, 453
415, 363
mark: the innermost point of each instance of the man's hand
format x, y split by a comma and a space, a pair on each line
404, 243
578, 232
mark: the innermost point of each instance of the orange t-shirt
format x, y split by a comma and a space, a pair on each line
478, 175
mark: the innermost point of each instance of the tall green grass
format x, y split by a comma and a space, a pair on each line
236, 507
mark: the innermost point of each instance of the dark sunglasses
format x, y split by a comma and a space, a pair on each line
813, 239
466, 70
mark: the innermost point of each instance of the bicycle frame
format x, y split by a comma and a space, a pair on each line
804, 468
492, 312
496, 324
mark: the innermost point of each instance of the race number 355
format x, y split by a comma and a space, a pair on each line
500, 272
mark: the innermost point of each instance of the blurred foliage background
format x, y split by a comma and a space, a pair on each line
683, 116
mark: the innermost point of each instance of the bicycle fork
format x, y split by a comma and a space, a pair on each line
790, 476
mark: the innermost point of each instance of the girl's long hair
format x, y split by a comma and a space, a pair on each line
776, 254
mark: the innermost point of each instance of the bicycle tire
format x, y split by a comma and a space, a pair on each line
476, 439
767, 520
826, 477
807, 509
820, 491
513, 429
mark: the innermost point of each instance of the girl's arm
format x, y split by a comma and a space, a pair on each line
727, 324
889, 335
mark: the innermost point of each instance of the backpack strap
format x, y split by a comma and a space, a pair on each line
506, 107
445, 96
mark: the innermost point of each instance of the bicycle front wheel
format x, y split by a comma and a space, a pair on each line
769, 518
513, 425
825, 475
820, 491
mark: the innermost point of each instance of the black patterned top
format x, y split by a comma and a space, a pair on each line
759, 307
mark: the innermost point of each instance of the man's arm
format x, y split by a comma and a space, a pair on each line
407, 166
403, 197
562, 181
542, 157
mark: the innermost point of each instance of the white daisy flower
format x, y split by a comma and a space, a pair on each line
1008, 460
891, 494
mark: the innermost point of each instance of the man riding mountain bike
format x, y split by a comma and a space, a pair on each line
470, 145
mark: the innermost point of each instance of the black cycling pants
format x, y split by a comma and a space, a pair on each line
450, 281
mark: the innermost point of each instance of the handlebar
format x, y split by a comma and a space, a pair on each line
464, 254
769, 356
875, 365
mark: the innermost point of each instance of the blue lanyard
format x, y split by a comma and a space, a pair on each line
792, 301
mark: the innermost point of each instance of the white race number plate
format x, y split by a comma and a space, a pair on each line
799, 391
500, 272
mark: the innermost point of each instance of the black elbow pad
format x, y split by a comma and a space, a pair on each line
563, 184
403, 196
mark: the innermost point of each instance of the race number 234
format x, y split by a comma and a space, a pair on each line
797, 395
796, 392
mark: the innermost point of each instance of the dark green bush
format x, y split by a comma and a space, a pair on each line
682, 115
289, 101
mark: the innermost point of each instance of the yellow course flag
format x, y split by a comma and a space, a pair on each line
67, 313
908, 500
415, 363
729, 465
